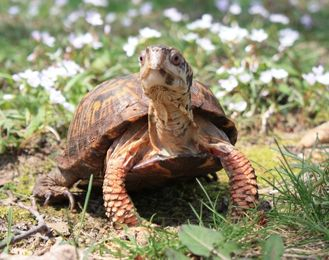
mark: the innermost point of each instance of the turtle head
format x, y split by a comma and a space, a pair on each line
166, 68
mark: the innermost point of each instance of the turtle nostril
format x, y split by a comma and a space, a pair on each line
162, 72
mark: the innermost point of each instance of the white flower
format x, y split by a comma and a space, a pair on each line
307, 21
317, 75
73, 17
287, 38
258, 9
96, 2
71, 68
233, 34
13, 10
203, 23
279, 73
33, 8
191, 36
258, 35
249, 48
215, 28
79, 41
56, 97
264, 92
31, 77
310, 78
146, 8
147, 32
221, 70
206, 44
132, 13
43, 37
222, 5
228, 84
266, 76
48, 76
8, 97
47, 81
235, 9
220, 93
318, 70
279, 18
323, 79
238, 106
126, 21
130, 46
173, 14
245, 78
235, 70
97, 45
65, 68
110, 17
69, 107
107, 29
94, 18
60, 2
314, 6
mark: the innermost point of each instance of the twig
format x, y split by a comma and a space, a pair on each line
265, 117
41, 227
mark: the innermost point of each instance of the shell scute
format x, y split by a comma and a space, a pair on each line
106, 111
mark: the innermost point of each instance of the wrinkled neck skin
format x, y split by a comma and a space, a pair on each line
171, 126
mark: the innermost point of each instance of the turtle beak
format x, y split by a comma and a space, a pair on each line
154, 59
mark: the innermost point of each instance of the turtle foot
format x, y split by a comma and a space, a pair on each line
47, 193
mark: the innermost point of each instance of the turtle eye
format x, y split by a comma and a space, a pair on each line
176, 59
141, 59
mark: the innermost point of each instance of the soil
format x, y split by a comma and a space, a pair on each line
167, 207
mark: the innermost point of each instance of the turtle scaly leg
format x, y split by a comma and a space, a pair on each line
119, 207
242, 177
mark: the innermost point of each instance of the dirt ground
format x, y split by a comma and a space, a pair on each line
168, 207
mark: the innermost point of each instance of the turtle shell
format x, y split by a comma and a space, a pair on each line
106, 111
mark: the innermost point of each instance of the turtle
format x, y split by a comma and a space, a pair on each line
145, 130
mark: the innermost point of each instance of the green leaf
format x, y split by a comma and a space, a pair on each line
200, 240
273, 248
283, 88
172, 254
36, 122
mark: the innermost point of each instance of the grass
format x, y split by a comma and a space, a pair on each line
299, 216
303, 200
300, 207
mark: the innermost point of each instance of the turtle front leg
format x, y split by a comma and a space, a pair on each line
242, 177
118, 206
55, 187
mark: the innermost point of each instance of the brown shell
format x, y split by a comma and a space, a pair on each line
105, 112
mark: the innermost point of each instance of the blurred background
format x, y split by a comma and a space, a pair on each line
266, 61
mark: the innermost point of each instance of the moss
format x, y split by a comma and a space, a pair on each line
264, 159
19, 215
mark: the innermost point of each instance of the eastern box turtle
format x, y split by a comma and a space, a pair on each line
147, 129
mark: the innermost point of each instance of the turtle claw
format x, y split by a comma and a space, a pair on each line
47, 198
53, 194
69, 195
